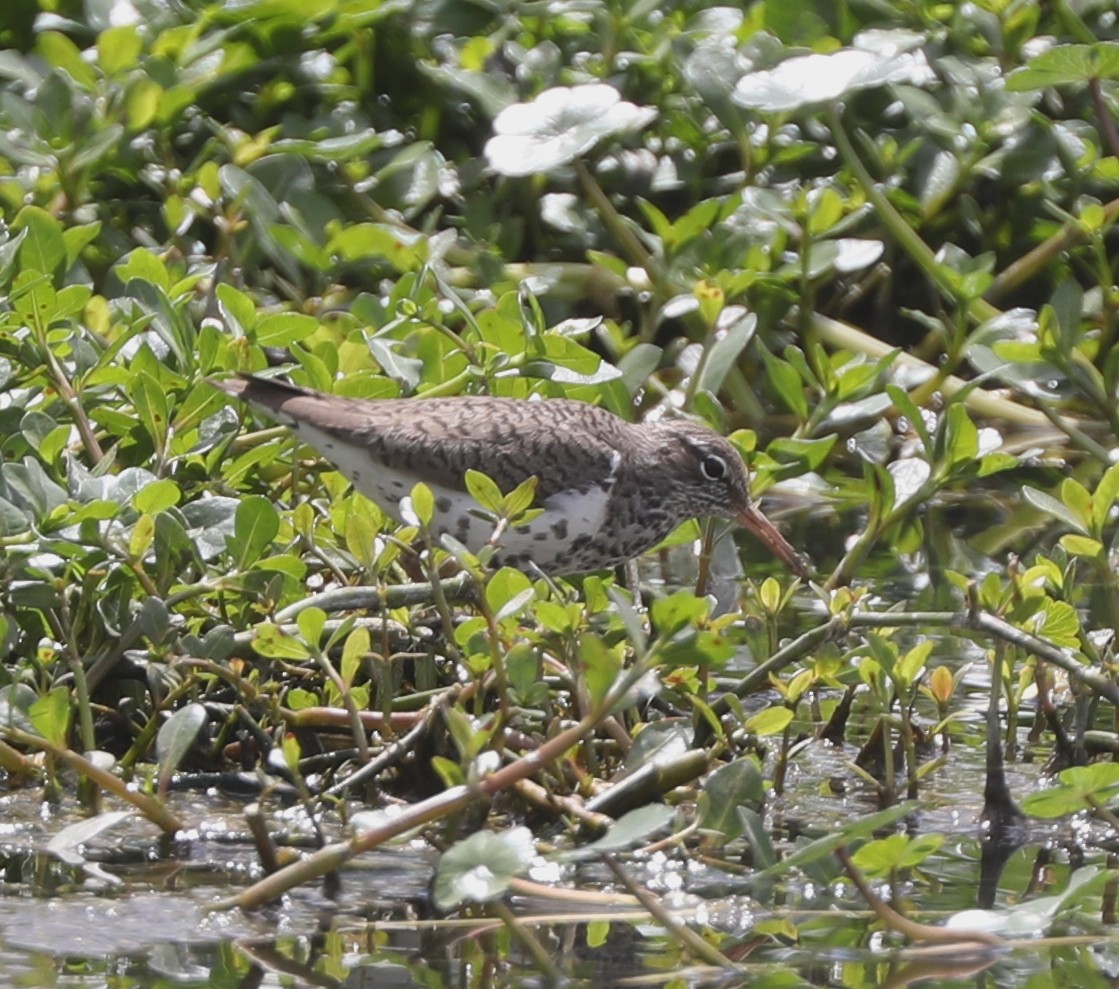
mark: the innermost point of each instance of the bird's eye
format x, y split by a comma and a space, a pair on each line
714, 468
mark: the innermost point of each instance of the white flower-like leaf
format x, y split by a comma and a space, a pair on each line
808, 79
558, 126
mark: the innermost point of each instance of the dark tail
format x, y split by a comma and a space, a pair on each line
266, 393
292, 404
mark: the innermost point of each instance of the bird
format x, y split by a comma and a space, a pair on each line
607, 489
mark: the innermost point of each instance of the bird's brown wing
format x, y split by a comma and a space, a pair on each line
567, 445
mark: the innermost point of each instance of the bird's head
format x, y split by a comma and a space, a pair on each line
709, 478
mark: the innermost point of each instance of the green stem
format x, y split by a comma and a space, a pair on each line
540, 956
632, 248
151, 808
983, 403
942, 276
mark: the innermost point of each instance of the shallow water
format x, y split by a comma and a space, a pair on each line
153, 929
60, 926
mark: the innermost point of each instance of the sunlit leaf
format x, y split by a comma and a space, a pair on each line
50, 715
1065, 65
272, 641
311, 622
480, 868
1047, 503
770, 721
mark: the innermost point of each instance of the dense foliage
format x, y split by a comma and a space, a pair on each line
873, 240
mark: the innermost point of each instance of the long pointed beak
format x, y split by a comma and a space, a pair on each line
751, 518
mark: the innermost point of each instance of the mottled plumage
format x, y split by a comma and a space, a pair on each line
609, 489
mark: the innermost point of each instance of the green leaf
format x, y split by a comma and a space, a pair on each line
299, 699
176, 736
273, 642
423, 504
941, 182
285, 563
678, 611
143, 532
522, 666
283, 329
659, 223
995, 463
696, 221
292, 752
54, 443
824, 212
311, 622
357, 648
906, 670
601, 666
763, 854
480, 868
43, 249
1083, 546
255, 524
360, 533
770, 721
1079, 787
150, 400
515, 605
1078, 501
118, 48
635, 827
734, 786
554, 617
808, 455
1059, 623
786, 382
505, 585
484, 491
813, 851
449, 772
961, 438
395, 363
50, 716
61, 53
882, 857
362, 241
725, 348
157, 496
1051, 506
1065, 65
1104, 498
521, 498
237, 309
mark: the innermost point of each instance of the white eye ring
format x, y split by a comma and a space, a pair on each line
714, 468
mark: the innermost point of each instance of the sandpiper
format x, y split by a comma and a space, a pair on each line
609, 489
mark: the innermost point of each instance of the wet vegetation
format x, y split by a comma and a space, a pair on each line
871, 243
